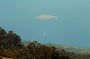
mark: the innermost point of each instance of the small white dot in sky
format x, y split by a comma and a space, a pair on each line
44, 34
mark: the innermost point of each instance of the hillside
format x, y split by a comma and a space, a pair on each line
76, 50
12, 46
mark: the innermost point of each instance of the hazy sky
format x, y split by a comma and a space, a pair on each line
48, 21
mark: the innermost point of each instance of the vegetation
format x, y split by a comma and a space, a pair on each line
11, 46
9, 40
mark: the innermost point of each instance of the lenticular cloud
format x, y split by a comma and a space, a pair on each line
46, 17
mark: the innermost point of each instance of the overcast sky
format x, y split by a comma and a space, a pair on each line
48, 21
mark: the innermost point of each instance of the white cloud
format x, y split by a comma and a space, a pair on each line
46, 17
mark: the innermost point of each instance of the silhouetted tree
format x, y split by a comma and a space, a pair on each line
3, 38
14, 40
9, 40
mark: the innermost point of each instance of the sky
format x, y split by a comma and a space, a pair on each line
48, 21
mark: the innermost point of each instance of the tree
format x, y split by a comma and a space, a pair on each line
3, 37
14, 40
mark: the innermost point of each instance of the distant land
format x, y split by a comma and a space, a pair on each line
75, 49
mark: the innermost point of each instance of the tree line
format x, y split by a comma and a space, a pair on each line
11, 46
